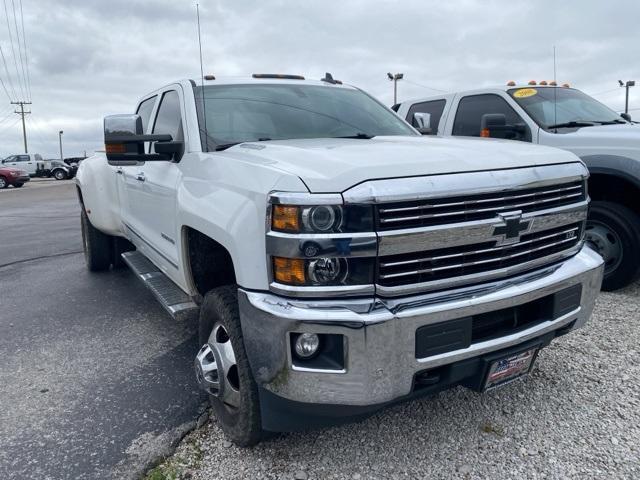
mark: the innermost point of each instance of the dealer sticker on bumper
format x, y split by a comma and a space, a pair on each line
509, 368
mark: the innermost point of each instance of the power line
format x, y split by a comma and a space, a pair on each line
605, 91
6, 69
24, 43
13, 50
425, 86
15, 23
5, 89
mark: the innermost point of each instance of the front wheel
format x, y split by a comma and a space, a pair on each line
60, 174
3, 183
222, 367
614, 232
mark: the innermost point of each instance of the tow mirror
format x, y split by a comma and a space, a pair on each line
423, 122
497, 122
124, 141
626, 116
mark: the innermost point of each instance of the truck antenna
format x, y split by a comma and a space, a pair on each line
555, 90
204, 111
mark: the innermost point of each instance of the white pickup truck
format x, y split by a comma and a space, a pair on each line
545, 114
337, 260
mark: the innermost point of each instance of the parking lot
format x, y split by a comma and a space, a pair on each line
96, 379
97, 383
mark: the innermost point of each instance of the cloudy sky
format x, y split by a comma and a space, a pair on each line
90, 58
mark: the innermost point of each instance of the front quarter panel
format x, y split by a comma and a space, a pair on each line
226, 198
97, 182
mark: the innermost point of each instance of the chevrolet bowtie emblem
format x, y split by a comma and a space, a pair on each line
510, 227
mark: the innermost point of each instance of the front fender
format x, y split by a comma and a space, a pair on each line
96, 180
615, 165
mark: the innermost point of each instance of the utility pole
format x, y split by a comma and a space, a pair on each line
60, 140
22, 113
629, 83
394, 78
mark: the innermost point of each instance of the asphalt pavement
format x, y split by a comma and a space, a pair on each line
96, 379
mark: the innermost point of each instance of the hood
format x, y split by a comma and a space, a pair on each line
334, 165
620, 140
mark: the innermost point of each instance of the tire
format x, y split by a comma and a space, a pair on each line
18, 185
242, 425
60, 175
120, 246
97, 246
3, 183
614, 232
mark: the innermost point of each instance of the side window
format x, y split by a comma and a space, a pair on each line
434, 108
9, 159
472, 108
144, 110
169, 119
23, 158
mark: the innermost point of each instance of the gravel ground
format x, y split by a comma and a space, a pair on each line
577, 416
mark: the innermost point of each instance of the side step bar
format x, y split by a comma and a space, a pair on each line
177, 303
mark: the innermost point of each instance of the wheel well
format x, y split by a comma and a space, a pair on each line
210, 263
614, 189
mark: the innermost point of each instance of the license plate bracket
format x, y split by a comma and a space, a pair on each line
509, 368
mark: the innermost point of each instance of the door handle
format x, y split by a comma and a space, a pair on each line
119, 171
140, 177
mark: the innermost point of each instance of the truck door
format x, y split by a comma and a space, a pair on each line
470, 109
151, 191
25, 162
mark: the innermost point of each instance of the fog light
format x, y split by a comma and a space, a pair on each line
307, 345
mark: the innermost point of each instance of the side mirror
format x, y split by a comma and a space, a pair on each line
497, 122
626, 116
124, 141
423, 122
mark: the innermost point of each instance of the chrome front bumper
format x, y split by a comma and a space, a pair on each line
380, 359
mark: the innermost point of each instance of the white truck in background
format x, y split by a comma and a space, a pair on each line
336, 260
546, 114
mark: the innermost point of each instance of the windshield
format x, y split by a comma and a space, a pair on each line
248, 113
563, 107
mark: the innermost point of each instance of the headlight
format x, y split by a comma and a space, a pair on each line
322, 218
326, 271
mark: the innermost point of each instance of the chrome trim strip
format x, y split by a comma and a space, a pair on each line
476, 252
311, 245
457, 184
419, 239
315, 291
471, 202
477, 210
305, 198
476, 277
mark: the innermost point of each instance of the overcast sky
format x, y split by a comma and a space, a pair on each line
90, 58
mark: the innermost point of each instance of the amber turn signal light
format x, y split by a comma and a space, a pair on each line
285, 218
115, 148
485, 133
289, 271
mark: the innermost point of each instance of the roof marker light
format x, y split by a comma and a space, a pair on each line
532, 82
553, 83
543, 82
566, 85
511, 83
209, 77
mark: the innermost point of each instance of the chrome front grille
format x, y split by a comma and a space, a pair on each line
466, 260
448, 210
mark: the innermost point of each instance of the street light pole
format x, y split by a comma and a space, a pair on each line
60, 140
394, 78
627, 85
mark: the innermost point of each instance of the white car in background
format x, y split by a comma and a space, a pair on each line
26, 161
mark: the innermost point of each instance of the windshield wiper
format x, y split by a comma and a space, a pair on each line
572, 124
610, 122
363, 136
